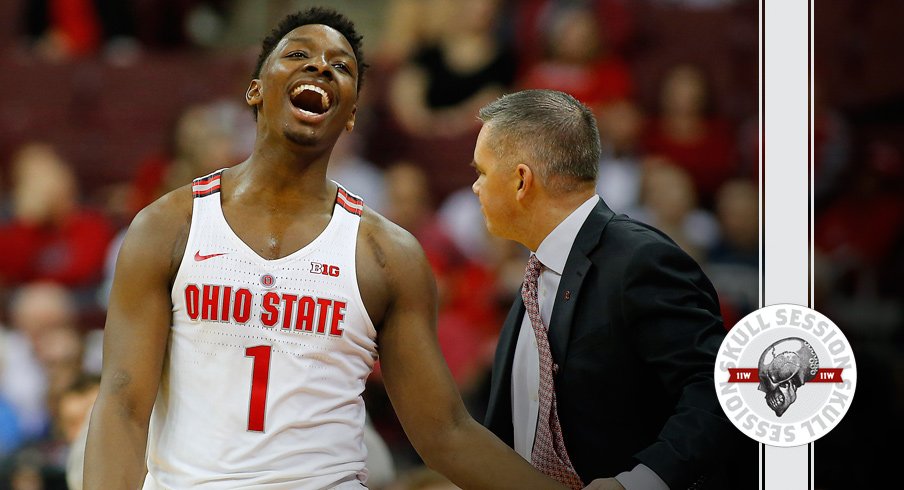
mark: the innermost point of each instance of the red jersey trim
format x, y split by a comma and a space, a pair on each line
349, 202
207, 185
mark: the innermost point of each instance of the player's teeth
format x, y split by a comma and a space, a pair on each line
324, 97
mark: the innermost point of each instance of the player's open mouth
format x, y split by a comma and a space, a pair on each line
310, 100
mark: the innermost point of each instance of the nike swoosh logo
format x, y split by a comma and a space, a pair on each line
199, 257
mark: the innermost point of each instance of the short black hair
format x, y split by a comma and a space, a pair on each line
314, 15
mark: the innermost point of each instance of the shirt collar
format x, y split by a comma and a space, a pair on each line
554, 249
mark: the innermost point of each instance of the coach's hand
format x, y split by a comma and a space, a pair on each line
604, 484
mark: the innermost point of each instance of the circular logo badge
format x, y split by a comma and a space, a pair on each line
268, 281
785, 375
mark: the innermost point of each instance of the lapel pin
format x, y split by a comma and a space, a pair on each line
567, 295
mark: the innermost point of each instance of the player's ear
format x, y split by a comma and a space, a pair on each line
253, 95
350, 124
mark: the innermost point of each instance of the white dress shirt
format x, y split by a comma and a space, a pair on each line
553, 253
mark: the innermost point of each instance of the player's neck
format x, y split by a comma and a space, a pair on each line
264, 177
291, 155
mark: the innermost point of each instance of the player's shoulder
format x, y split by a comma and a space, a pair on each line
393, 241
392, 265
158, 234
168, 213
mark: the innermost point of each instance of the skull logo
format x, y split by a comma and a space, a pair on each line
784, 367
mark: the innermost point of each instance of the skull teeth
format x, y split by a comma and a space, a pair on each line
324, 97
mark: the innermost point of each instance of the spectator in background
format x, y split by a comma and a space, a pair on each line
858, 241
577, 60
41, 364
42, 354
462, 220
47, 463
74, 406
409, 25
613, 15
487, 282
732, 263
441, 87
469, 306
460, 216
408, 204
434, 95
22, 413
831, 147
669, 203
74, 413
697, 4
22, 389
64, 29
30, 469
6, 202
355, 173
59, 350
859, 229
206, 137
210, 136
687, 131
51, 237
10, 434
620, 124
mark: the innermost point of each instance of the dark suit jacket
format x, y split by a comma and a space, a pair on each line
635, 330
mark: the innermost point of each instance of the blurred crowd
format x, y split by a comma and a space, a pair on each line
122, 101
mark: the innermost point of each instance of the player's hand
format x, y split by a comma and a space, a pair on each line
604, 484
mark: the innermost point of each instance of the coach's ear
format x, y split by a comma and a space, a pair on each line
525, 180
253, 94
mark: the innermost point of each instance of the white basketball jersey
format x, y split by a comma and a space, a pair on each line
266, 362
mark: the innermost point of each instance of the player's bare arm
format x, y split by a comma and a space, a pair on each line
416, 376
135, 337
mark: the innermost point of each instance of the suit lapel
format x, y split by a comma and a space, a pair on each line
573, 275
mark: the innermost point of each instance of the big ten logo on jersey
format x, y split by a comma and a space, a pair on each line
324, 269
288, 312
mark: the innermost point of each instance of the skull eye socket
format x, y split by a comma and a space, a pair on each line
784, 384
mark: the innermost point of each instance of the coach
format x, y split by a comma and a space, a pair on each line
603, 374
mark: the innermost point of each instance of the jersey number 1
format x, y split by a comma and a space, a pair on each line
260, 377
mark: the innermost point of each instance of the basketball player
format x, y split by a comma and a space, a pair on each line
248, 309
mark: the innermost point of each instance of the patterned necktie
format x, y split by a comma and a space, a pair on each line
548, 454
